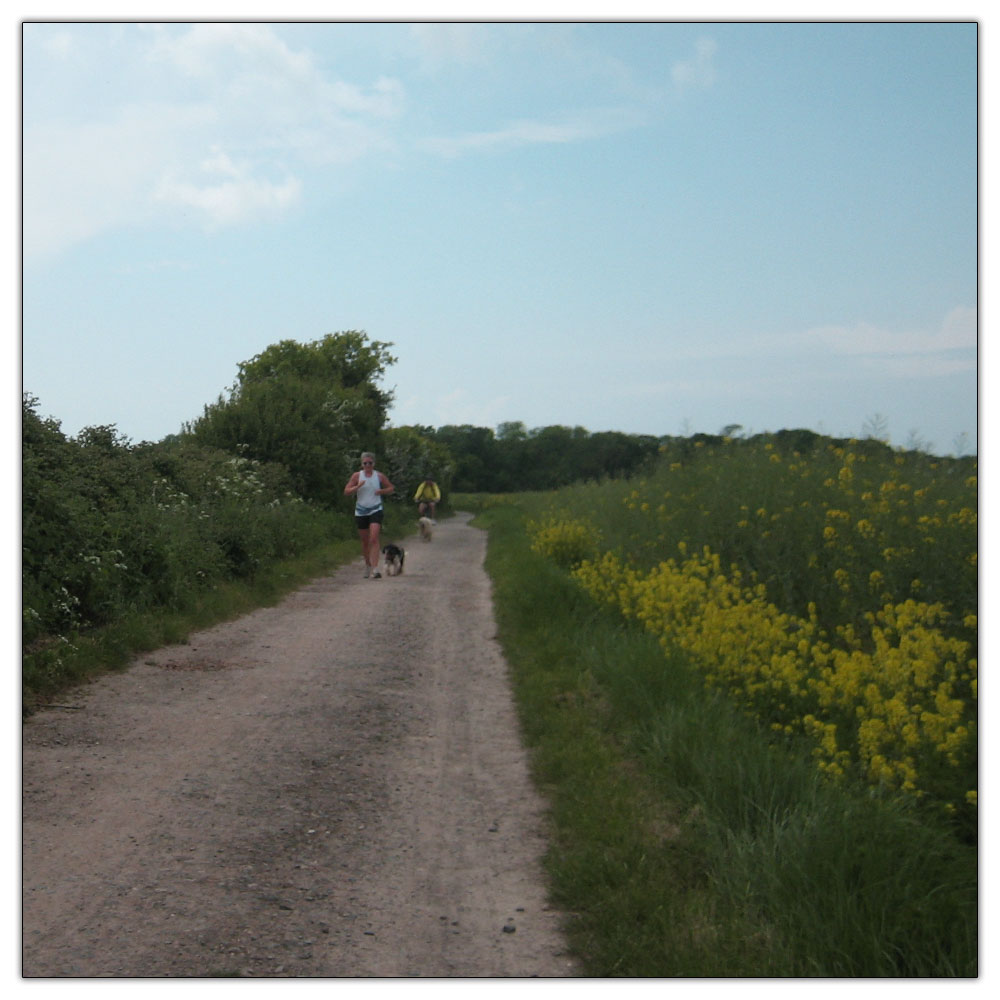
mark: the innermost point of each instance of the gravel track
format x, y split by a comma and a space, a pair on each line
332, 787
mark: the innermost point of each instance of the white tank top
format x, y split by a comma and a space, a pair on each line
366, 502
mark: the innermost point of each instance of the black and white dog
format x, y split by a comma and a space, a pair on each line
394, 556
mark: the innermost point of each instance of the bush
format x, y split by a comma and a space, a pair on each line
110, 529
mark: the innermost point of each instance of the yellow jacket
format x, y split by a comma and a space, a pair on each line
427, 491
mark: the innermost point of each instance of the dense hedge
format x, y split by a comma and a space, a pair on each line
110, 528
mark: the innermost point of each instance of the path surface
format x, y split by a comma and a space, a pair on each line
333, 787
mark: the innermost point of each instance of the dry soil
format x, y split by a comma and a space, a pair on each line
332, 787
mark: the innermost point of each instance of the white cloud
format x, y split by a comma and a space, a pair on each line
440, 44
699, 70
237, 198
913, 354
246, 66
193, 92
957, 332
230, 52
961, 326
574, 128
59, 45
86, 178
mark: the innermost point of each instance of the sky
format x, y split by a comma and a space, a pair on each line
662, 227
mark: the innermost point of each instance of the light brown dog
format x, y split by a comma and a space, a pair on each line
426, 528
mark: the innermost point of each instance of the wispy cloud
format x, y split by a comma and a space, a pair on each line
231, 195
228, 51
699, 69
956, 333
442, 44
577, 127
59, 45
932, 352
247, 66
459, 406
919, 366
85, 178
197, 93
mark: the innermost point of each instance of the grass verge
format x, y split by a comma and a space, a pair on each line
682, 842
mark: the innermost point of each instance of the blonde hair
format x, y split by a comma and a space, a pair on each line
367, 454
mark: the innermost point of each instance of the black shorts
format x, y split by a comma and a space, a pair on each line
363, 521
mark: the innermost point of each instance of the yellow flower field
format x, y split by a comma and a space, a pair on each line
831, 595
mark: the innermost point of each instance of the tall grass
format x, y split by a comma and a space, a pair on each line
684, 842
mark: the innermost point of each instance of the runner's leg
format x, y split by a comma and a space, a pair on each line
374, 536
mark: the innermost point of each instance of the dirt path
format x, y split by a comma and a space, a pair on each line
331, 787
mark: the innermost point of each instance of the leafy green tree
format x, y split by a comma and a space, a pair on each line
476, 456
547, 458
512, 431
613, 453
311, 407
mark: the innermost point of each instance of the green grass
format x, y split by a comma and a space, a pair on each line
682, 842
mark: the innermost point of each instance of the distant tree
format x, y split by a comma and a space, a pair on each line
876, 427
515, 458
476, 455
960, 444
915, 441
547, 458
512, 430
612, 453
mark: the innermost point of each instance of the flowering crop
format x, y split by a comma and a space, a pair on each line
567, 543
833, 596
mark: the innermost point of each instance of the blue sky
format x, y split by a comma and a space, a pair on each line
657, 228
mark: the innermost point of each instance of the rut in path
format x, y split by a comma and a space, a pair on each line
331, 787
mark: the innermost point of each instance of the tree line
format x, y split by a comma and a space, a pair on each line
314, 407
513, 458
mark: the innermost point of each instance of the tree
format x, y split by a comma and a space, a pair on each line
512, 430
876, 428
476, 455
311, 407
